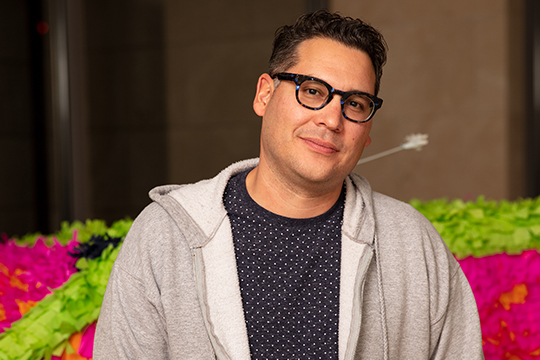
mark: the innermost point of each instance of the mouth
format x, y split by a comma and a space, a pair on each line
321, 146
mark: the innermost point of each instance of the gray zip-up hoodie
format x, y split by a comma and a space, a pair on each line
174, 293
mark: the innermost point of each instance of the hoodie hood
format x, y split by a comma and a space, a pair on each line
201, 202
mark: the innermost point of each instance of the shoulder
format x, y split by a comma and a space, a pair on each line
384, 204
395, 213
198, 208
406, 233
179, 218
412, 253
155, 222
152, 241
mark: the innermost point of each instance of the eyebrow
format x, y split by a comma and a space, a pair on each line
345, 91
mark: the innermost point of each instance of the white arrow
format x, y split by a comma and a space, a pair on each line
413, 141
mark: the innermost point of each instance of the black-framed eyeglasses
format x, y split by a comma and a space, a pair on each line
314, 94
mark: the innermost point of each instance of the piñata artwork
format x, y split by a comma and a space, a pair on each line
51, 288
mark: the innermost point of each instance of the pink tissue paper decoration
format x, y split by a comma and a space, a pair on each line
28, 274
507, 292
87, 342
82, 350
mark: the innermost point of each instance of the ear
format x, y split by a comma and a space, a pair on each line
265, 89
368, 141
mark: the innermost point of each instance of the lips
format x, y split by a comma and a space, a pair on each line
321, 146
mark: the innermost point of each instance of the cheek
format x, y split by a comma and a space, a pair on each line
360, 141
360, 135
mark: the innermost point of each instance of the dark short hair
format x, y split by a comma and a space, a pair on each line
350, 32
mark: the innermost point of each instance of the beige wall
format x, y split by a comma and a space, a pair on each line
453, 72
215, 51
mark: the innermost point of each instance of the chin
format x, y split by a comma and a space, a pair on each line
318, 175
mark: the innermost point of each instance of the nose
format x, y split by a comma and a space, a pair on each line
331, 115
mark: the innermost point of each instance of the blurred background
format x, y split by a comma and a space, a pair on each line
102, 100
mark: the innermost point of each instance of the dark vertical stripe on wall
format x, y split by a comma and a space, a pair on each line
61, 108
533, 121
37, 74
314, 5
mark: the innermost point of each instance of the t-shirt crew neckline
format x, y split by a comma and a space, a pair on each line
284, 219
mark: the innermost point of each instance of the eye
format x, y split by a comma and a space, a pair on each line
312, 94
313, 89
357, 105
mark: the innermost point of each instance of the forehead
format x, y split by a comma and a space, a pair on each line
343, 67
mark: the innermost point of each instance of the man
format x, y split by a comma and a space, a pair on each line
291, 256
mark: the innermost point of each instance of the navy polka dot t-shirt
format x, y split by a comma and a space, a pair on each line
289, 273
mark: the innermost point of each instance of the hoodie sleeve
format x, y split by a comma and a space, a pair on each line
456, 332
131, 324
431, 312
150, 309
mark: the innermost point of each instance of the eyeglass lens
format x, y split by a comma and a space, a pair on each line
314, 95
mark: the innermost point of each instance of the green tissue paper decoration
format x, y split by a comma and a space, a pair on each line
482, 227
84, 231
44, 331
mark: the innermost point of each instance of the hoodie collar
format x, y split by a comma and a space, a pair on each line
202, 203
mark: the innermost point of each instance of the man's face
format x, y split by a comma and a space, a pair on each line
314, 148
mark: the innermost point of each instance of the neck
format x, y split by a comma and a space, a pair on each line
289, 200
